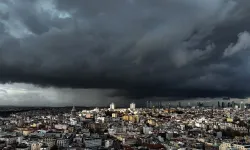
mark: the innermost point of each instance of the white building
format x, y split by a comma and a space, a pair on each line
114, 115
61, 126
100, 119
132, 106
73, 121
108, 143
62, 142
229, 146
20, 139
112, 106
36, 146
241, 105
92, 142
147, 130
112, 131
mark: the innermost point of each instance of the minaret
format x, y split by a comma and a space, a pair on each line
73, 112
212, 110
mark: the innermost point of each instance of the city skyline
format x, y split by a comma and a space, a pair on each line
57, 128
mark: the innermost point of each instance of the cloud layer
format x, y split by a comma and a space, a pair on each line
30, 95
242, 44
139, 49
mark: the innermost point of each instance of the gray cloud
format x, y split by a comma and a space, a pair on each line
243, 43
139, 49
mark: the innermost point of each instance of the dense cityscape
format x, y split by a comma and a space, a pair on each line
124, 74
155, 127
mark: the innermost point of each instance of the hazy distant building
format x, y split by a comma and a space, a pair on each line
149, 104
112, 106
132, 106
226, 98
218, 104
223, 105
73, 112
92, 143
233, 104
179, 104
242, 105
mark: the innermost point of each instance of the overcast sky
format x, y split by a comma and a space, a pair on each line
91, 52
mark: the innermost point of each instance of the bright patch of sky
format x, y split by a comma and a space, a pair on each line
49, 7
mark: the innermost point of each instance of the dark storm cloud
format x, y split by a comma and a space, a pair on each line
143, 49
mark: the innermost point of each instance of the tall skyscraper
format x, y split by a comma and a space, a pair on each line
132, 106
233, 104
179, 104
112, 106
212, 110
223, 105
242, 105
218, 104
